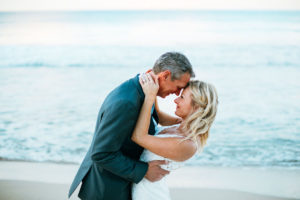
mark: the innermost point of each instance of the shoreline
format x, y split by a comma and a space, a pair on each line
35, 180
288, 168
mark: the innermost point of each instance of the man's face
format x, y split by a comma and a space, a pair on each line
167, 86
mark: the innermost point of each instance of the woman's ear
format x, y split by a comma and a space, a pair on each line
195, 107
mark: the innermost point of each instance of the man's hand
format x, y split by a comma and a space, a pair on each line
155, 172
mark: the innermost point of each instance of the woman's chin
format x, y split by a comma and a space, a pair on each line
177, 114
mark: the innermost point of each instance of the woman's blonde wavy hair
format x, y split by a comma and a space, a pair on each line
205, 101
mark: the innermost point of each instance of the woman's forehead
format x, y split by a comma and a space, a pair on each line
186, 90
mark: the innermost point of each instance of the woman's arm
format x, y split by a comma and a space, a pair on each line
164, 118
172, 148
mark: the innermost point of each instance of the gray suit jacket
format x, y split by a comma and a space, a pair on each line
112, 163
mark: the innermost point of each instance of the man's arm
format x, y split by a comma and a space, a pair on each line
116, 125
164, 118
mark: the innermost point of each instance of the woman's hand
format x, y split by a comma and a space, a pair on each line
149, 86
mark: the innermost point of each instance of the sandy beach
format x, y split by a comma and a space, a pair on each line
45, 181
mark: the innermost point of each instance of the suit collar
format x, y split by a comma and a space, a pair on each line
138, 85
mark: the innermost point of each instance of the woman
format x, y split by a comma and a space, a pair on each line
197, 107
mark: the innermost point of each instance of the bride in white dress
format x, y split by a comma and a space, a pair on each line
197, 107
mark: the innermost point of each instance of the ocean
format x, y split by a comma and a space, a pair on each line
56, 68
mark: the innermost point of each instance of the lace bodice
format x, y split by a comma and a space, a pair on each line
146, 190
149, 156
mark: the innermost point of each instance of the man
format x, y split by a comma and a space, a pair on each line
112, 163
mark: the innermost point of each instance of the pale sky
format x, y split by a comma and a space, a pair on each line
41, 5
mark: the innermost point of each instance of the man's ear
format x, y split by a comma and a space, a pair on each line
161, 75
166, 74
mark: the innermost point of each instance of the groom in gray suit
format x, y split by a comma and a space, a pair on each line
112, 163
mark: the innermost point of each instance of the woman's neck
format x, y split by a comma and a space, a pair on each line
181, 130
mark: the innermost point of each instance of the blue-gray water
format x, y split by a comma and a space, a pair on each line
57, 67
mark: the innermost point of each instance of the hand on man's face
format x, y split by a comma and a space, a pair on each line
152, 74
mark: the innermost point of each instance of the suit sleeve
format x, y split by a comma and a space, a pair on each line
115, 126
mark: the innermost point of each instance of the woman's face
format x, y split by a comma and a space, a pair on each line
184, 104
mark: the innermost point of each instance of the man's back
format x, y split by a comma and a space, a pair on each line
111, 164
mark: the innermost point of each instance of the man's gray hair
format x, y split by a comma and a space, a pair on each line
176, 63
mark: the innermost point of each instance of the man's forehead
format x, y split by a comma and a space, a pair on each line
184, 80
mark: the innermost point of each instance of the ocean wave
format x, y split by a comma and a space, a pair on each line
235, 56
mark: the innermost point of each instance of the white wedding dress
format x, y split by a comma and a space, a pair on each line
146, 190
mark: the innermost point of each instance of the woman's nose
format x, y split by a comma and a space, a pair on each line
175, 101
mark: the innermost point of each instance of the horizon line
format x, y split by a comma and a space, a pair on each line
109, 10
